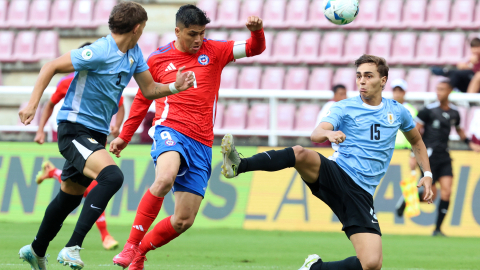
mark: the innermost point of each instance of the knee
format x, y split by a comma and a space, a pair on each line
111, 176
372, 263
163, 184
182, 223
299, 152
445, 194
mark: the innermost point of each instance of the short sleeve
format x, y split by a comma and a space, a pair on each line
224, 50
423, 116
407, 120
141, 65
61, 91
88, 57
334, 116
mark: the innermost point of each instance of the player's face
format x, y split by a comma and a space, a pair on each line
341, 94
443, 90
190, 38
369, 82
398, 94
475, 51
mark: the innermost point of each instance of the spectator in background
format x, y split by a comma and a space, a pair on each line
466, 78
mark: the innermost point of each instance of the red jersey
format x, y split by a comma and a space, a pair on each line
62, 88
191, 112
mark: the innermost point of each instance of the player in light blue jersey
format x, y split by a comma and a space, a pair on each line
102, 71
364, 128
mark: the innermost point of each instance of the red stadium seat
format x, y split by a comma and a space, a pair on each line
274, 14
148, 43
166, 38
381, 44
227, 15
347, 77
414, 12
47, 45
61, 14
18, 14
284, 47
297, 12
356, 45
258, 117
331, 50
6, 46
250, 78
428, 47
297, 78
25, 46
102, 11
394, 73
240, 36
82, 14
250, 8
210, 8
308, 47
39, 14
453, 46
306, 117
462, 14
285, 116
266, 56
320, 79
217, 35
219, 113
229, 78
235, 116
273, 78
316, 18
418, 79
438, 15
3, 14
404, 48
391, 15
368, 16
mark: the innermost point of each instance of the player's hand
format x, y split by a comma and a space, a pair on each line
336, 137
428, 193
27, 114
115, 131
184, 80
117, 145
254, 23
39, 137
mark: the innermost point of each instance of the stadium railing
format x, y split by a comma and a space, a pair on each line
273, 97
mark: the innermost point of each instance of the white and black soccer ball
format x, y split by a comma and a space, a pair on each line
340, 12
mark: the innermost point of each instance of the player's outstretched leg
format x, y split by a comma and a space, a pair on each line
48, 171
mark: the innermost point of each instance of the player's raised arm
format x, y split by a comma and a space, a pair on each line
62, 64
255, 45
153, 90
324, 132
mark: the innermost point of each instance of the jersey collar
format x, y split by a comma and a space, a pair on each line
112, 41
379, 106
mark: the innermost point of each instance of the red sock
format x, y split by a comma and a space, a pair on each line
56, 173
161, 234
102, 226
147, 212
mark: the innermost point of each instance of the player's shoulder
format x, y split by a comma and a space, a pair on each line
433, 105
353, 101
453, 107
161, 52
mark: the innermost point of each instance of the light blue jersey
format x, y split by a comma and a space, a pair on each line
102, 71
370, 137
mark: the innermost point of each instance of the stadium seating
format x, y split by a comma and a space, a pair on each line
39, 14
347, 77
102, 11
297, 12
258, 117
210, 8
285, 116
227, 15
297, 78
355, 45
332, 48
394, 73
418, 79
47, 45
306, 117
284, 47
381, 44
148, 43
250, 78
250, 8
367, 17
62, 10
274, 13
229, 77
434, 80
273, 78
18, 14
404, 49
25, 46
3, 14
476, 21
216, 35
219, 113
265, 57
414, 14
453, 46
428, 47
438, 15
316, 18
391, 15
235, 116
320, 79
6, 46
307, 47
462, 14
82, 14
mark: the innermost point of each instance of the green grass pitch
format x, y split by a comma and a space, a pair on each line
201, 249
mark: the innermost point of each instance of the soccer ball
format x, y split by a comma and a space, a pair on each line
340, 12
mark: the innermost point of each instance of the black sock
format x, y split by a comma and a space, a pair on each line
57, 211
442, 211
110, 179
269, 161
350, 263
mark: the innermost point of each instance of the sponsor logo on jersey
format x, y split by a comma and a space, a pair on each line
390, 118
92, 140
131, 61
170, 142
203, 59
170, 67
87, 54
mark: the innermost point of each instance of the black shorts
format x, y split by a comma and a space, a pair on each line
76, 143
441, 165
351, 203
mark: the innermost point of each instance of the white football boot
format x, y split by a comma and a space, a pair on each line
28, 255
71, 256
311, 259
231, 158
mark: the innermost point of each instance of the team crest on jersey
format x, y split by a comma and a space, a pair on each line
203, 59
390, 118
92, 140
170, 142
131, 61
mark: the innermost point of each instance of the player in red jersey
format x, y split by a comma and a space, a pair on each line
182, 129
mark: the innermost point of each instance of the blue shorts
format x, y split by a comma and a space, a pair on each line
196, 166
